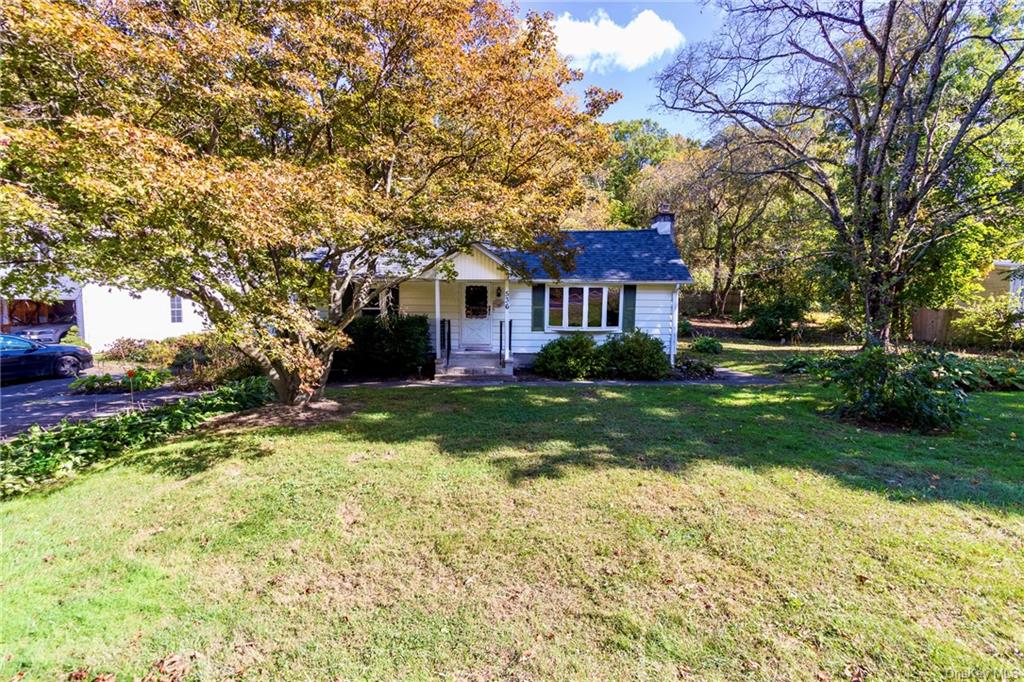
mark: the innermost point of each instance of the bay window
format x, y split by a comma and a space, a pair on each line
583, 307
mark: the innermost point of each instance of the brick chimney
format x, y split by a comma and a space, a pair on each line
664, 221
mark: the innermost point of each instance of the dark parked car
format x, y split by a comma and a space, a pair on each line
22, 358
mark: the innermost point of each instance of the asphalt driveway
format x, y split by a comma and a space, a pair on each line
47, 402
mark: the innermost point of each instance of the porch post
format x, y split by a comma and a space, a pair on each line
508, 332
675, 327
437, 314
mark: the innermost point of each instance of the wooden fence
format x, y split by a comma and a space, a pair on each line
699, 302
931, 326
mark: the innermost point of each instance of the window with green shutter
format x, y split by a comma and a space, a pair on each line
537, 312
629, 307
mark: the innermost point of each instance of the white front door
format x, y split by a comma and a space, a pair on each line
476, 317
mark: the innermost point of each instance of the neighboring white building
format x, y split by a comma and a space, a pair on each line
1004, 278
104, 314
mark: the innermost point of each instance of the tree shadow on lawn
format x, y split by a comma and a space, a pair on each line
193, 453
531, 433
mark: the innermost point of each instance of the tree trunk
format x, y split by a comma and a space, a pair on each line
286, 385
717, 304
878, 316
730, 279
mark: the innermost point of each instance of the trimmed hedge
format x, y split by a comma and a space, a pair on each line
634, 355
385, 346
41, 455
569, 358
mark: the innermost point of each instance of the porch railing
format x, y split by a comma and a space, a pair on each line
446, 342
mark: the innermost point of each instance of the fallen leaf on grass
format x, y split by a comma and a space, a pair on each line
170, 668
856, 672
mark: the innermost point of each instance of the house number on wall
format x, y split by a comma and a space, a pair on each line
508, 299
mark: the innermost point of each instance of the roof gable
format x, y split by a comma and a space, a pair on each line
475, 264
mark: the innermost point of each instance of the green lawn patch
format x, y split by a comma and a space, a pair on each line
573, 532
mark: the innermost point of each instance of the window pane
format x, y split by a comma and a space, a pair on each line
612, 319
595, 296
11, 343
575, 306
555, 297
175, 308
476, 302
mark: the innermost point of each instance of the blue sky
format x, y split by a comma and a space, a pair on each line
623, 45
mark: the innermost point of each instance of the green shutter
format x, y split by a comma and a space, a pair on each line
537, 319
629, 307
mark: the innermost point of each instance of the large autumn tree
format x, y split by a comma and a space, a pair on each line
901, 120
281, 163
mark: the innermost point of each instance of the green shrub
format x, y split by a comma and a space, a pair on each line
635, 355
774, 319
904, 390
1003, 375
129, 350
385, 346
800, 364
72, 337
694, 368
706, 344
989, 322
41, 455
972, 374
571, 357
207, 359
138, 379
684, 328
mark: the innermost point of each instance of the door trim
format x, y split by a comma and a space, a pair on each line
463, 319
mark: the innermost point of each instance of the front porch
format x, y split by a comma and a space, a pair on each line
473, 365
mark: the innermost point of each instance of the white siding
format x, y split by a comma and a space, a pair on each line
654, 310
473, 266
653, 315
106, 314
416, 297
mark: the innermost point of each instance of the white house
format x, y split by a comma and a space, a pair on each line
103, 314
487, 316
498, 310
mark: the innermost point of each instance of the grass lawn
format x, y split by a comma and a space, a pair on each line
759, 357
579, 532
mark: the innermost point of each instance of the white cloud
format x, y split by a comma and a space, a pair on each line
599, 44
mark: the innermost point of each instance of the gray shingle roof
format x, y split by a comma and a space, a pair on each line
641, 255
